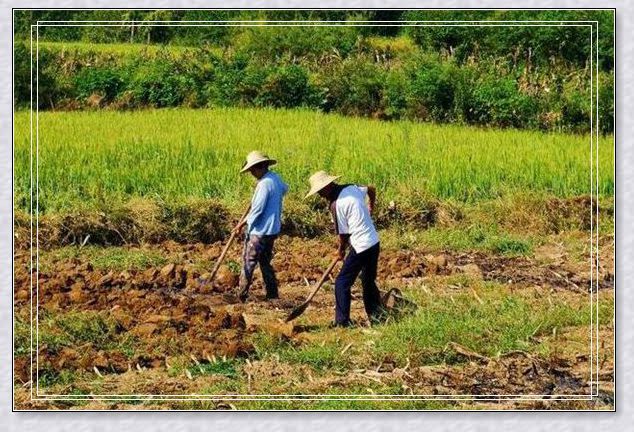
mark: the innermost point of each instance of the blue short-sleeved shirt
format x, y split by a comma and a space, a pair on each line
265, 216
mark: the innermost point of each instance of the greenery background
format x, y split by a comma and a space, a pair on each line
520, 77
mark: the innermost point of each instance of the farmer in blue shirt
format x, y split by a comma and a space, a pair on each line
263, 224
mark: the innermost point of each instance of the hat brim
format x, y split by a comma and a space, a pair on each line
248, 166
316, 188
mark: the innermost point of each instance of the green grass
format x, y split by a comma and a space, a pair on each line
120, 50
21, 336
75, 328
225, 368
107, 258
476, 237
503, 322
321, 357
101, 157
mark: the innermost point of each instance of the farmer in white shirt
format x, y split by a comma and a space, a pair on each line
263, 224
354, 226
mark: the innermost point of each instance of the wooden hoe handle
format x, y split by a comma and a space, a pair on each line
226, 248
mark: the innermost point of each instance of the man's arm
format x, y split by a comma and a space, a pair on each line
372, 198
343, 244
258, 204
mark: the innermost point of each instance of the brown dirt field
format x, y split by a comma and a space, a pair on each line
173, 310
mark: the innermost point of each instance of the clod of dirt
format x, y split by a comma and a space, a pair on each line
145, 330
22, 367
470, 270
157, 319
255, 322
553, 253
436, 264
225, 278
122, 318
440, 261
168, 270
77, 294
106, 279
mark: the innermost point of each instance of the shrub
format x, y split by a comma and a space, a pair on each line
294, 41
286, 86
397, 88
606, 103
107, 81
22, 74
160, 84
576, 109
224, 88
432, 92
354, 87
498, 102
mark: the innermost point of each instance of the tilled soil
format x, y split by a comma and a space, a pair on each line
176, 308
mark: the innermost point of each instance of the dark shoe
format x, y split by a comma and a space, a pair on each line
243, 294
272, 295
336, 324
379, 317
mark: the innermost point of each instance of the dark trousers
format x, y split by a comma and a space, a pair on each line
258, 250
355, 263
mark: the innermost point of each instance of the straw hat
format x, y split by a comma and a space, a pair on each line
318, 181
254, 158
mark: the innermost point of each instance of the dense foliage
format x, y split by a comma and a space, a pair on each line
534, 77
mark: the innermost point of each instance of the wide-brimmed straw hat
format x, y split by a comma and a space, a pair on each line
254, 158
318, 181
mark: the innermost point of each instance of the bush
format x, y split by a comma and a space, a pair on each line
432, 92
224, 88
498, 102
22, 74
606, 103
354, 87
576, 109
275, 43
287, 87
107, 81
397, 88
160, 84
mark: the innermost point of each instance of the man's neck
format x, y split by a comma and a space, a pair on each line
334, 192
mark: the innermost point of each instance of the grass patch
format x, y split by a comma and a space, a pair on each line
105, 258
76, 328
324, 358
21, 337
504, 321
476, 237
352, 404
227, 368
49, 377
322, 355
120, 50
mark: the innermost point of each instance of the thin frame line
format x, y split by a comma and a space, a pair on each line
37, 156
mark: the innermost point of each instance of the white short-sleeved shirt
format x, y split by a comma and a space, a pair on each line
351, 216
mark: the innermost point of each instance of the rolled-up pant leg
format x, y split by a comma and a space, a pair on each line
249, 262
268, 273
258, 250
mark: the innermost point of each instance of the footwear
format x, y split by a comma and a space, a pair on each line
379, 317
335, 324
272, 296
243, 294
